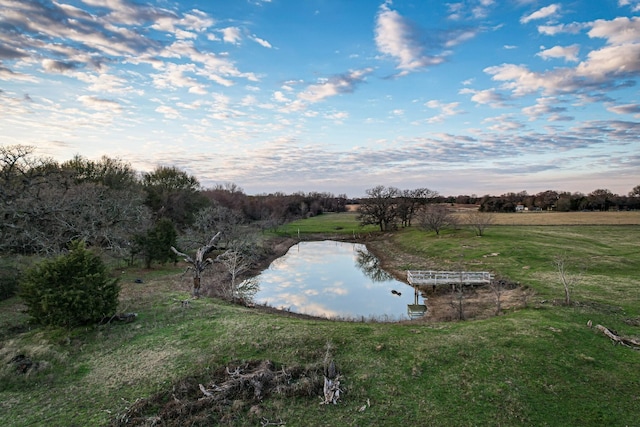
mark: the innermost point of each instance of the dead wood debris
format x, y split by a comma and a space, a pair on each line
265, 422
331, 389
615, 338
228, 393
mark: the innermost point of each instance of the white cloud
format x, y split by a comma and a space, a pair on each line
261, 42
396, 37
545, 12
337, 116
174, 76
198, 90
625, 109
105, 82
504, 123
619, 58
446, 110
211, 66
471, 10
545, 106
182, 34
618, 31
633, 4
280, 97
611, 61
485, 97
457, 37
336, 85
100, 104
568, 53
196, 21
552, 30
168, 112
231, 35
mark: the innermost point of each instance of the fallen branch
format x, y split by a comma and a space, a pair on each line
204, 391
121, 317
617, 339
265, 422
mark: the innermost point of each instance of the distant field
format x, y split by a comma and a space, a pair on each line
568, 218
552, 218
347, 223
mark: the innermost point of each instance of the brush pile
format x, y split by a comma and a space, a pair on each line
235, 390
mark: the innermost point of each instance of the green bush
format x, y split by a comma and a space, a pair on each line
156, 244
72, 289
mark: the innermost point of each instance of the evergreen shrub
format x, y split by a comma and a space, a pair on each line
72, 289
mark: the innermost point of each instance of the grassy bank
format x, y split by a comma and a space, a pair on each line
539, 365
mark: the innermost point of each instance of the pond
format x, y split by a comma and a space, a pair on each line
335, 280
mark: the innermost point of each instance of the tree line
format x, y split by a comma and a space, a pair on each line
45, 205
390, 207
560, 201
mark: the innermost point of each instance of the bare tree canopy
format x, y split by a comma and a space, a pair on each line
563, 265
479, 221
410, 201
380, 207
435, 218
46, 205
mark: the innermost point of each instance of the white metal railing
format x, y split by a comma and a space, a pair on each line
436, 277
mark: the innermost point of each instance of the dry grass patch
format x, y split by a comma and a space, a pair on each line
127, 366
567, 218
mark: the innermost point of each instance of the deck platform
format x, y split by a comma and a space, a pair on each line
437, 277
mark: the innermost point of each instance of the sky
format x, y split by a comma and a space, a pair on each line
461, 97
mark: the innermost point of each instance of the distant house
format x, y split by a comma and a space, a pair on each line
520, 208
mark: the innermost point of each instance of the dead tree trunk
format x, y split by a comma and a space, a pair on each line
199, 263
617, 339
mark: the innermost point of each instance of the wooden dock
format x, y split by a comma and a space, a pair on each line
437, 277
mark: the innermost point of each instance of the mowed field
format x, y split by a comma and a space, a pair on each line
548, 217
567, 218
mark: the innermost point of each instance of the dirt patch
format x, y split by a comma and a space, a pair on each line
444, 303
475, 303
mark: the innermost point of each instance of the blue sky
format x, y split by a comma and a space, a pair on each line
462, 97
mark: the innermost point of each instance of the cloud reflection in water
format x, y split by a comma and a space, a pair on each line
333, 279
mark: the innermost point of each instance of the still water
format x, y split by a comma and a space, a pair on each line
335, 280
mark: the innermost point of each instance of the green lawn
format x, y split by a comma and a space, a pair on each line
344, 223
539, 365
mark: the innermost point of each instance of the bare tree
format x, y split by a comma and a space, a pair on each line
379, 207
563, 264
435, 218
199, 263
45, 205
457, 299
238, 260
214, 218
410, 201
479, 221
497, 286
